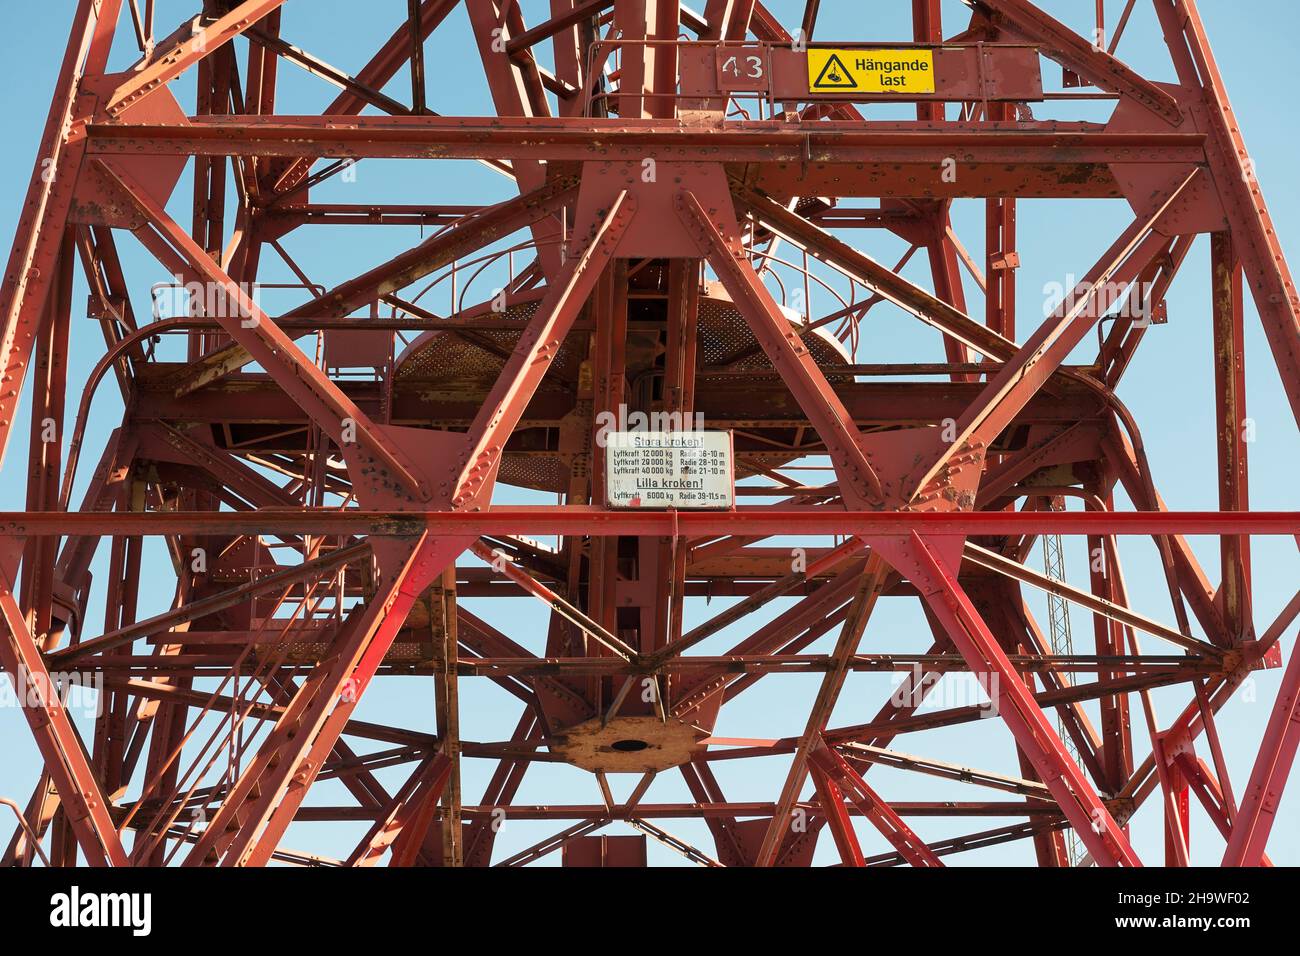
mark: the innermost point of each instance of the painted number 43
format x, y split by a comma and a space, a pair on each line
743, 67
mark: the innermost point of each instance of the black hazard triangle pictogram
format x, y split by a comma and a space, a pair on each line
835, 76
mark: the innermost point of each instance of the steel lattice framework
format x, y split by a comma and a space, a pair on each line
329, 530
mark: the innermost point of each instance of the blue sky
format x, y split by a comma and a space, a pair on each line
1169, 389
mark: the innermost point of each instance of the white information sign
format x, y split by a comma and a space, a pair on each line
683, 469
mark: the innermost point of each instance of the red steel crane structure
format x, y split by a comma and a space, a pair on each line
330, 530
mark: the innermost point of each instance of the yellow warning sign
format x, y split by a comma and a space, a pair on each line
870, 71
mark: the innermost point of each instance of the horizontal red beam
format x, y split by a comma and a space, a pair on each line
192, 663
589, 811
589, 520
443, 137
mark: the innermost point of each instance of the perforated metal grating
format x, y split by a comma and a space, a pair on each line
471, 359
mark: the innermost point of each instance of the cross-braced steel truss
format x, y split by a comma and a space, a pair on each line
332, 483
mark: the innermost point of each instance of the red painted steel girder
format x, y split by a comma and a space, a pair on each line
338, 514
585, 519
